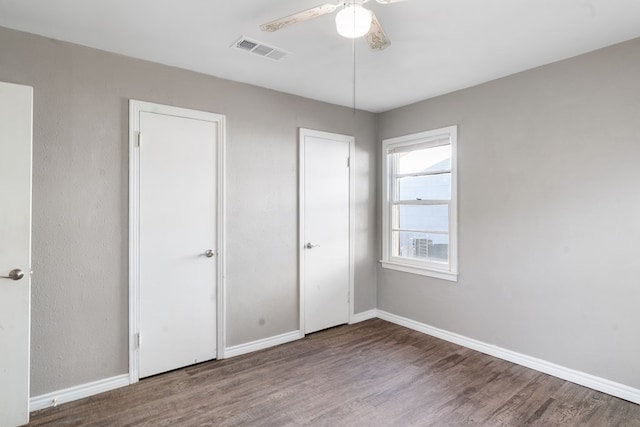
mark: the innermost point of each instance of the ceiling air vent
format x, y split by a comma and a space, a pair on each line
260, 49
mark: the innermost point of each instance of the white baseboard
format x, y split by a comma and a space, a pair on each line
364, 315
591, 381
85, 390
237, 350
77, 392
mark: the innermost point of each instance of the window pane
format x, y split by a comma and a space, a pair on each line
422, 217
424, 160
422, 246
427, 187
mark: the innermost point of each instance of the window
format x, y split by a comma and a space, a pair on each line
420, 209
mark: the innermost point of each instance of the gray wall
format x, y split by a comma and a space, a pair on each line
549, 208
80, 200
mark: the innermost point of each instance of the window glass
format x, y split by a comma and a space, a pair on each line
416, 245
425, 187
423, 217
424, 160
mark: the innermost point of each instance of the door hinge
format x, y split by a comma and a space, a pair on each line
138, 341
139, 138
348, 162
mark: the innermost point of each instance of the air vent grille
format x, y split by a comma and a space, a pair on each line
260, 49
246, 44
263, 50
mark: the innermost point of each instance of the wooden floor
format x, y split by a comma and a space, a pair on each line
372, 373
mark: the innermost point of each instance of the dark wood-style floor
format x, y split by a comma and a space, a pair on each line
369, 374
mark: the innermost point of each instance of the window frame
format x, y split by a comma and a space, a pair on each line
427, 139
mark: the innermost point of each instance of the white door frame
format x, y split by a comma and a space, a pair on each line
135, 108
301, 217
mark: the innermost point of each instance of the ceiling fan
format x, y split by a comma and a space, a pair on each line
352, 21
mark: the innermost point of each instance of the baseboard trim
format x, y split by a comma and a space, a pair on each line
364, 315
77, 392
261, 344
591, 381
587, 380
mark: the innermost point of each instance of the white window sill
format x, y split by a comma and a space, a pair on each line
422, 271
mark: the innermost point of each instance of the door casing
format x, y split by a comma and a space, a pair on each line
301, 217
135, 107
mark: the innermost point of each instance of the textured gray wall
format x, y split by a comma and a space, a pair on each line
549, 203
80, 200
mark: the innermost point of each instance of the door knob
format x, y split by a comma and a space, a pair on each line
208, 253
310, 246
15, 274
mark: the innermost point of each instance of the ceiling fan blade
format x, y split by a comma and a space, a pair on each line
376, 38
299, 17
389, 1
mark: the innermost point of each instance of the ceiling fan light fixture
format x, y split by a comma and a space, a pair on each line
353, 21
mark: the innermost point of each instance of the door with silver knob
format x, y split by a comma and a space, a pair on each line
178, 155
15, 251
325, 229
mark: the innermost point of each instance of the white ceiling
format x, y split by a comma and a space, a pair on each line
438, 46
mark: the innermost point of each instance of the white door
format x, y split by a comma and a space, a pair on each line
177, 239
15, 251
325, 229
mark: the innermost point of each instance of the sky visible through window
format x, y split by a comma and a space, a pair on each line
427, 159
